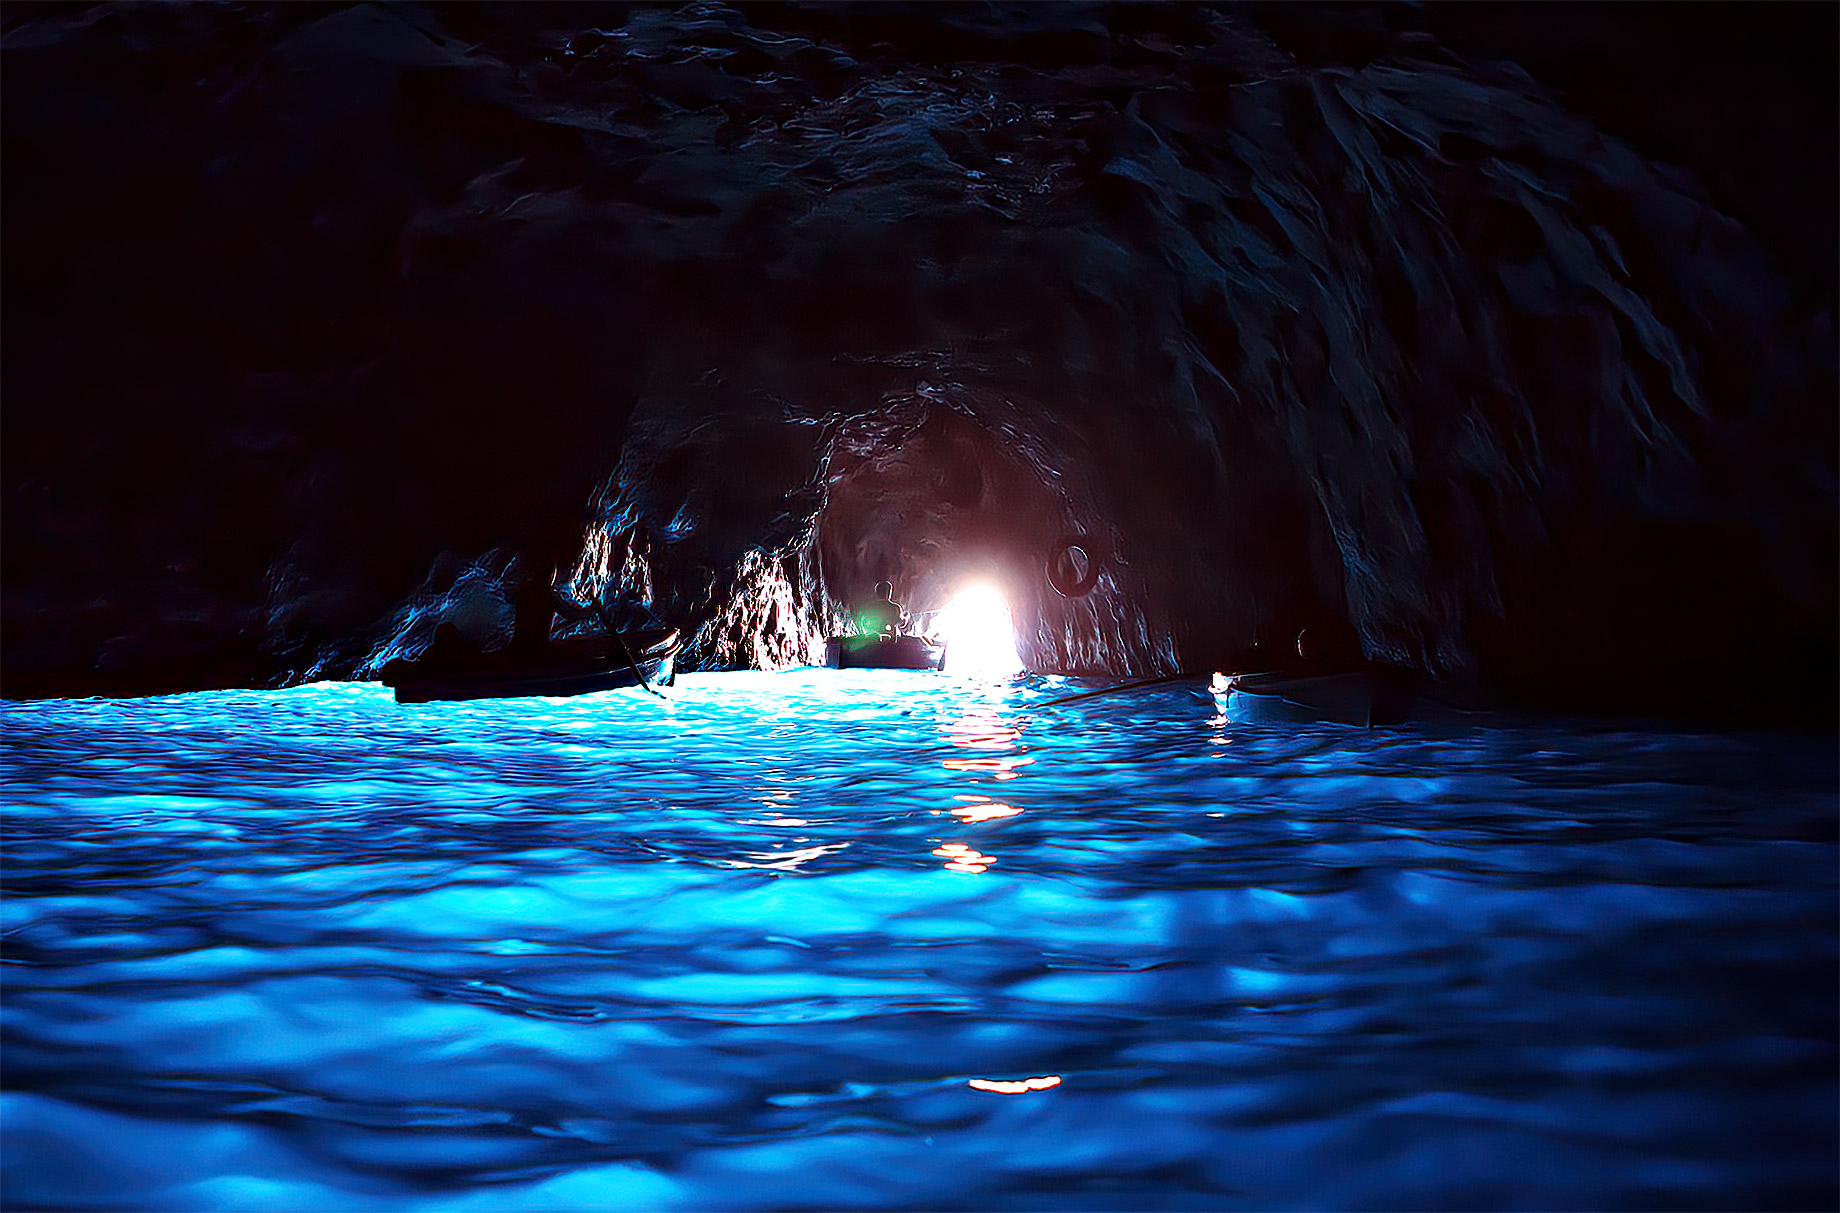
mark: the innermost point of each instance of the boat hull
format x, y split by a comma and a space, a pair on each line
565, 668
1360, 699
884, 653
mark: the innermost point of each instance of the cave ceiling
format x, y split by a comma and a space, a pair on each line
1403, 324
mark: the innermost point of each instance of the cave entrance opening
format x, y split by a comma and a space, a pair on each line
980, 634
956, 516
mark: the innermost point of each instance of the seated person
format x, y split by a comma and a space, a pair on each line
448, 647
882, 617
535, 609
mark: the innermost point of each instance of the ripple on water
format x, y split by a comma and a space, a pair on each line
852, 938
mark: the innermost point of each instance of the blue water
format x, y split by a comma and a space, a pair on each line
848, 939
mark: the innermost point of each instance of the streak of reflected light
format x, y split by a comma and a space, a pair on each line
982, 728
785, 861
1014, 1087
991, 811
982, 733
1000, 768
1221, 688
961, 858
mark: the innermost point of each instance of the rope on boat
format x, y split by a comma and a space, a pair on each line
624, 651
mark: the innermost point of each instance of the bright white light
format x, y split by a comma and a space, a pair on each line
980, 637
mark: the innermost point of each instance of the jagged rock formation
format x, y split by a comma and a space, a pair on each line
315, 319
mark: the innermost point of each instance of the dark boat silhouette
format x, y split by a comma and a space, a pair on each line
1363, 699
884, 653
576, 666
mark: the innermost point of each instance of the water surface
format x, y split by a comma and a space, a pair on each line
866, 938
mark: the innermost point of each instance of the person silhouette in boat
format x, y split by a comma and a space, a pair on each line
535, 607
883, 616
449, 647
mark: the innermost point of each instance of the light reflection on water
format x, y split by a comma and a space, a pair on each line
860, 938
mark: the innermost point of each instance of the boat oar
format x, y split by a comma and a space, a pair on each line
624, 651
1112, 690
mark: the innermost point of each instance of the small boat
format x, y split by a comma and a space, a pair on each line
884, 653
1362, 699
577, 666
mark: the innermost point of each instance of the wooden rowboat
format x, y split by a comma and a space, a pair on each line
577, 666
884, 653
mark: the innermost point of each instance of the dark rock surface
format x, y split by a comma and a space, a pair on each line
1498, 341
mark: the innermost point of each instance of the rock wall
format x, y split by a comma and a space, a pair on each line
320, 322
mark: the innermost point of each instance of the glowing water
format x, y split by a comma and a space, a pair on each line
870, 938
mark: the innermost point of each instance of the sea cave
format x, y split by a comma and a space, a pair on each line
1483, 354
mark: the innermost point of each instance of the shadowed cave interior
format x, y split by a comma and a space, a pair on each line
1414, 330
